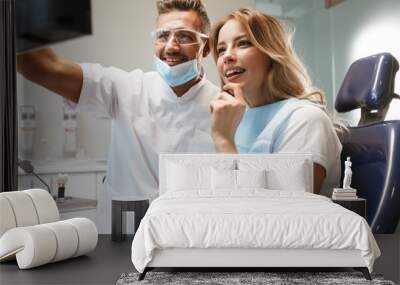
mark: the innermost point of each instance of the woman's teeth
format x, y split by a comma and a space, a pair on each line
234, 71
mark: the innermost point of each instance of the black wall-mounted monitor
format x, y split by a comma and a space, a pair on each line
42, 22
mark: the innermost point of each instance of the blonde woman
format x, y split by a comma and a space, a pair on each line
267, 103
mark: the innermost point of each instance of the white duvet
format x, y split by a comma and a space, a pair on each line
250, 219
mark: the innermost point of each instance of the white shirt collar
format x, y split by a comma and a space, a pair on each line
189, 95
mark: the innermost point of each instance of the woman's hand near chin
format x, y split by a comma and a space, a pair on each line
227, 111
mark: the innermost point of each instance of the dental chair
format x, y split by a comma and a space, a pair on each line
373, 145
31, 232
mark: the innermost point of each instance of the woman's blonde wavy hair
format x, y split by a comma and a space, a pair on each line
286, 75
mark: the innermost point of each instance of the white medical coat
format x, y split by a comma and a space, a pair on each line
147, 119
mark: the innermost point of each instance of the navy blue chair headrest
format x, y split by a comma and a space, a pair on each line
369, 83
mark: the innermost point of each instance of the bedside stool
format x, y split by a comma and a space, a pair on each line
357, 205
139, 207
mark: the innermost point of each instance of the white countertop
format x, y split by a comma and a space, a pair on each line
67, 166
73, 204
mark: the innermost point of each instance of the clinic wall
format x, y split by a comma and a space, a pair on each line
121, 38
362, 28
312, 42
331, 39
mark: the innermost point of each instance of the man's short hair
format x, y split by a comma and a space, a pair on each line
166, 6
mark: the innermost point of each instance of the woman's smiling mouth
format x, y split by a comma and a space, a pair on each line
234, 73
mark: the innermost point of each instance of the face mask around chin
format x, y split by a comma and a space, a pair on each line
178, 74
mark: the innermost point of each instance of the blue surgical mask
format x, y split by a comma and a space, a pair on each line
178, 74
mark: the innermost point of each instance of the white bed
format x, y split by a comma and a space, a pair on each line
240, 211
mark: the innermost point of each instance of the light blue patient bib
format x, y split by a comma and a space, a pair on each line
260, 126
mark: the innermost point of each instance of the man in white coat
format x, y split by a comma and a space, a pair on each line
152, 112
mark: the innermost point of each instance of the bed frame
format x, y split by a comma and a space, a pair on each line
245, 259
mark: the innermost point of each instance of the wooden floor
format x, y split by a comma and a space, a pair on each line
103, 266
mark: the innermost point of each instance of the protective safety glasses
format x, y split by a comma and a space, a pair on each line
182, 36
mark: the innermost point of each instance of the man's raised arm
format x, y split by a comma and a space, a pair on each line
45, 68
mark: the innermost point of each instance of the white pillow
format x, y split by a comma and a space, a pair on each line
192, 174
223, 179
294, 179
226, 179
181, 177
251, 178
285, 174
